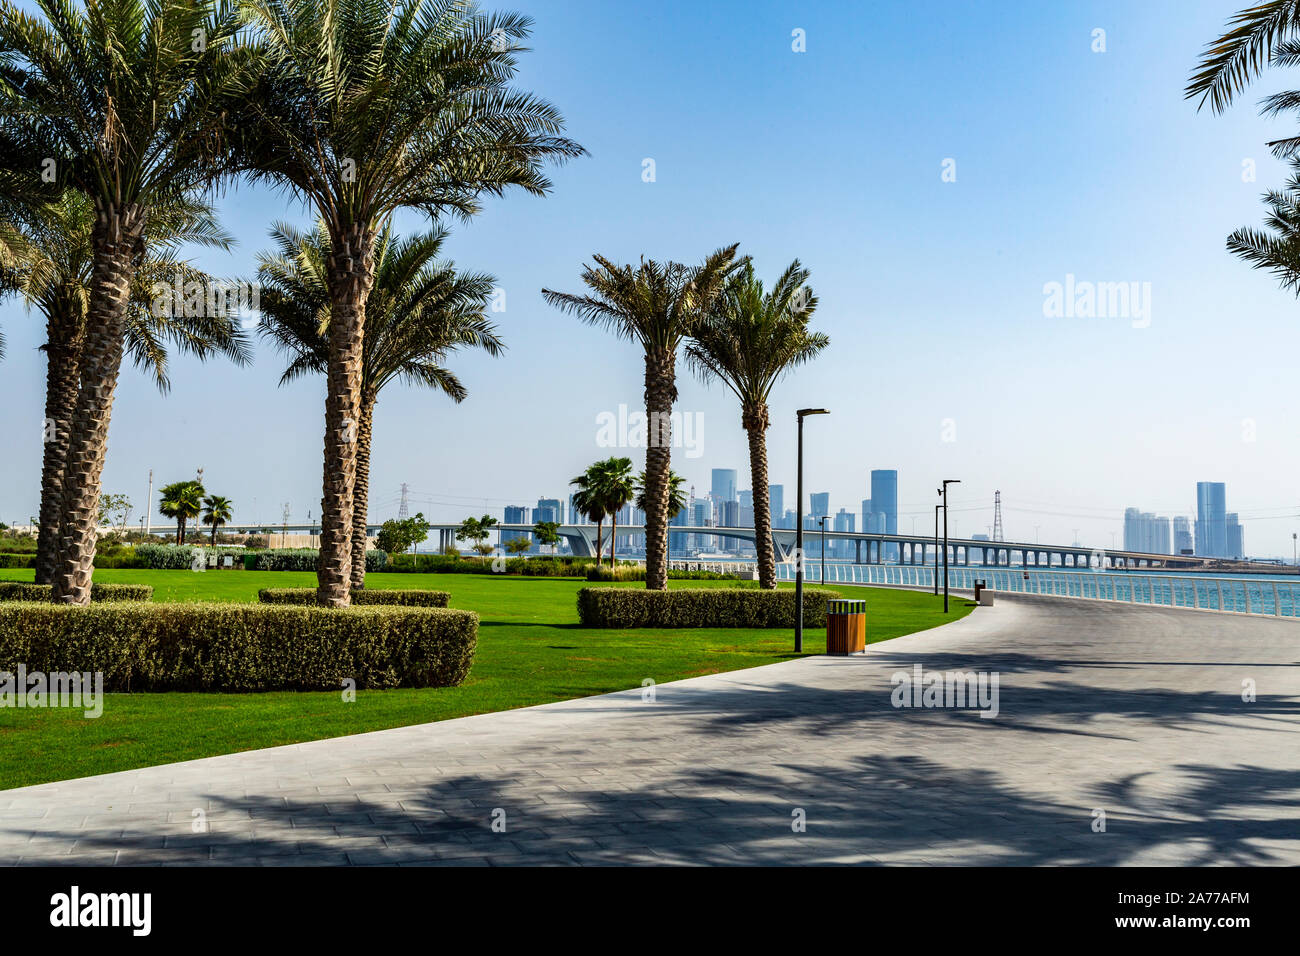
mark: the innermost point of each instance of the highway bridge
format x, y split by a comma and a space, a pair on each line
869, 548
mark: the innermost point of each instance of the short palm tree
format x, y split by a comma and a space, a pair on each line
128, 101
587, 501
615, 486
655, 305
181, 501
750, 339
217, 511
53, 273
369, 106
676, 500
419, 310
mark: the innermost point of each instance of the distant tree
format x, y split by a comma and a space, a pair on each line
477, 530
519, 545
181, 501
216, 512
115, 511
547, 532
397, 536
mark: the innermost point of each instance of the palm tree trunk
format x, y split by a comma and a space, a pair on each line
600, 542
361, 493
115, 237
755, 421
613, 538
660, 393
214, 534
64, 333
351, 267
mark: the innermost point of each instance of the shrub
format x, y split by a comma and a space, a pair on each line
413, 597
304, 559
26, 591
699, 607
634, 572
17, 560
180, 557
241, 647
449, 564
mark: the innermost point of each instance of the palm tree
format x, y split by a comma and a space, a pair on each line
587, 502
128, 102
749, 340
181, 501
418, 310
655, 305
1277, 248
1267, 34
676, 500
53, 273
216, 512
369, 106
615, 486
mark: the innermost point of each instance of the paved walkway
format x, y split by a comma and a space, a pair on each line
1136, 712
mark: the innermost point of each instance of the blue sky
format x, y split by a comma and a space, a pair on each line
1068, 162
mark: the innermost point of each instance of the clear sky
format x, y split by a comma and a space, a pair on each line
1068, 162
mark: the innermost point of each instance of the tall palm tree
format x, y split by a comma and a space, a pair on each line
217, 511
418, 311
53, 274
1266, 34
676, 501
181, 501
655, 305
750, 339
128, 102
1276, 248
369, 106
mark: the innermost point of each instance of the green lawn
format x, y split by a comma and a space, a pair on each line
531, 650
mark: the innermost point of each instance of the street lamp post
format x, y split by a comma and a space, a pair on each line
822, 520
944, 491
798, 534
936, 549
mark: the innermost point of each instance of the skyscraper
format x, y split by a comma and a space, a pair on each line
821, 503
776, 498
724, 484
1211, 519
884, 502
1183, 543
1236, 539
515, 514
1145, 532
549, 509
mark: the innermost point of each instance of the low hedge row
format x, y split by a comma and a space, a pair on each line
241, 647
700, 607
26, 591
451, 564
413, 597
633, 572
17, 560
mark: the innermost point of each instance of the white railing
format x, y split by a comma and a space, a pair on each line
1233, 594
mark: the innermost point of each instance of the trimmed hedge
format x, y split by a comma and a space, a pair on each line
241, 647
635, 572
547, 567
26, 591
17, 560
700, 607
383, 596
302, 559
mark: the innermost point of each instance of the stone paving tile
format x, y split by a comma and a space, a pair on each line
1130, 710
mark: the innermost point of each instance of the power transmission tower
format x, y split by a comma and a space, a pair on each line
998, 533
403, 509
284, 528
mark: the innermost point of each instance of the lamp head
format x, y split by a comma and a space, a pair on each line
812, 411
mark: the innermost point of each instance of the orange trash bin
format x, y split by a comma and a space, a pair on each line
846, 626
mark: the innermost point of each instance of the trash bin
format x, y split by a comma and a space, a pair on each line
980, 585
846, 627
983, 594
